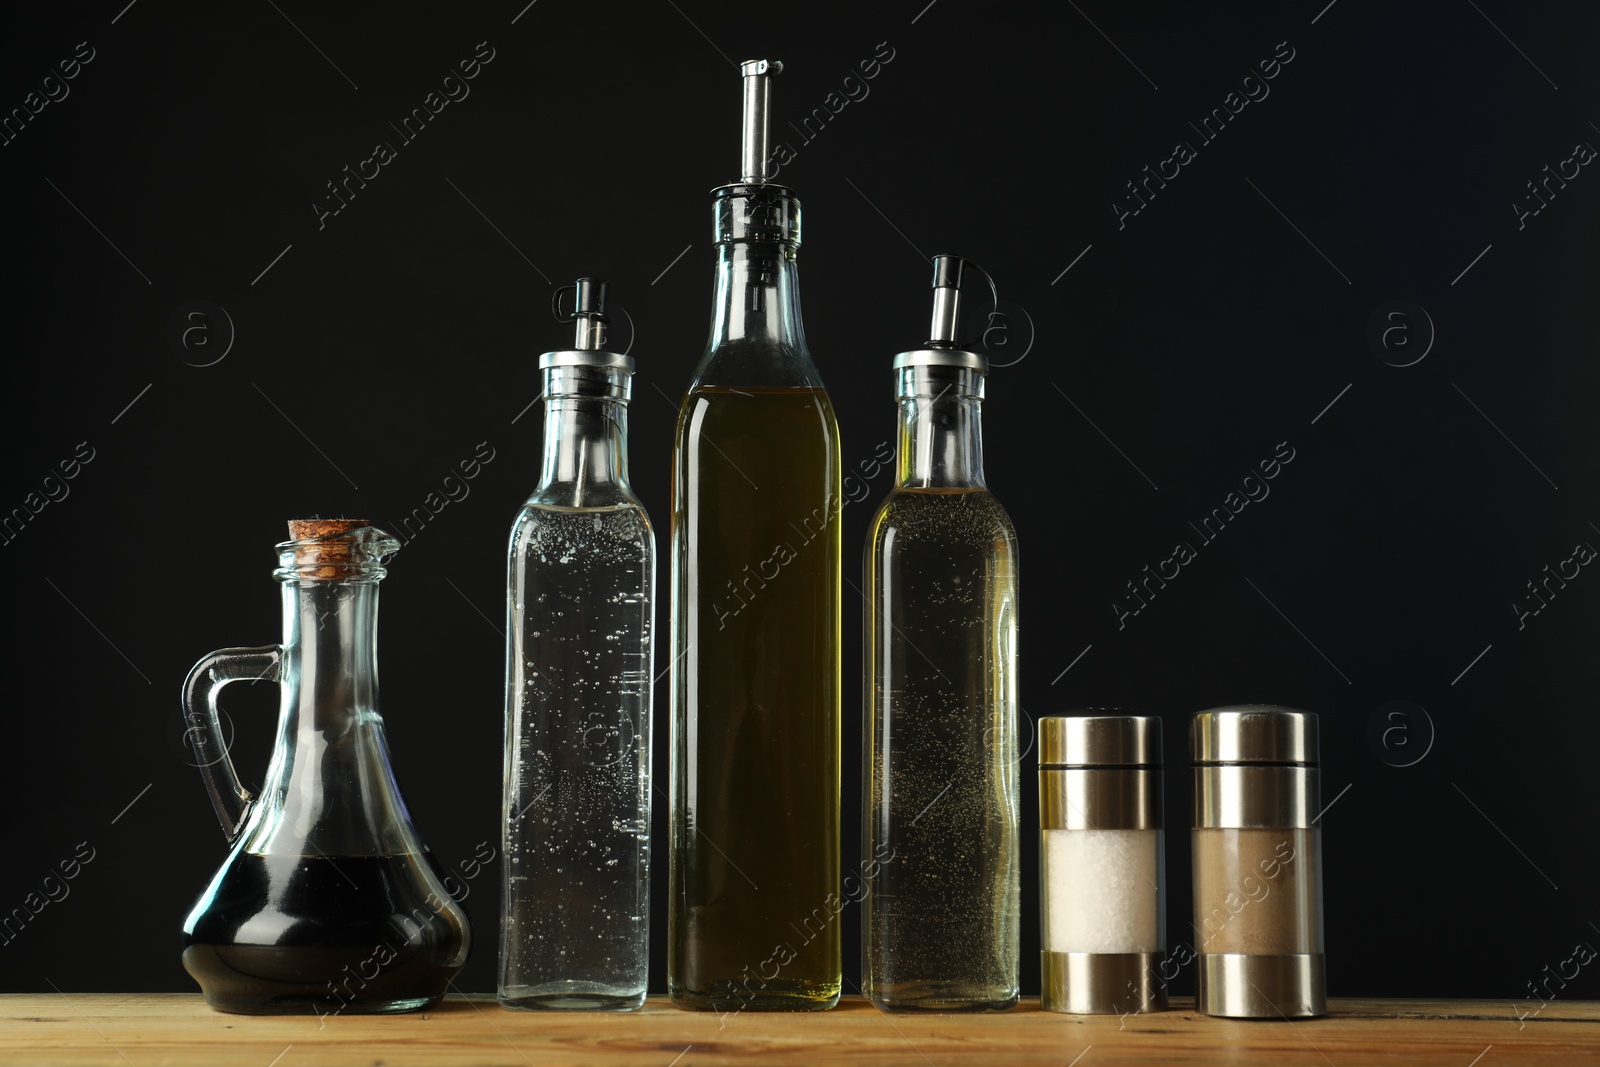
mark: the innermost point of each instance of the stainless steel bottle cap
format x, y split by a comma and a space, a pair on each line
1254, 733
573, 357
1100, 741
942, 357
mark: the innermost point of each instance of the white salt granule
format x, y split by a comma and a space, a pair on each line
1100, 890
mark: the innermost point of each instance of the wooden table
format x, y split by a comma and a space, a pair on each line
135, 1030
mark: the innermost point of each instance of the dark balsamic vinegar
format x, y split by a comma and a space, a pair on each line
302, 935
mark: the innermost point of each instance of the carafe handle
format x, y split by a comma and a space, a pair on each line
231, 799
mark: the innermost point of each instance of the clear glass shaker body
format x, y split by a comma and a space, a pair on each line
581, 584
941, 917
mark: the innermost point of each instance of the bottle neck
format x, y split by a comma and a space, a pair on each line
585, 456
941, 430
330, 630
757, 296
330, 789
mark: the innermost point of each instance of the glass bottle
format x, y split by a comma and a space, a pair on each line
580, 608
328, 901
940, 923
754, 907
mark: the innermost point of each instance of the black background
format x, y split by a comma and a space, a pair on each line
1177, 352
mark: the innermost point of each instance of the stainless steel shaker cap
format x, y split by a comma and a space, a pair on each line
1254, 733
1100, 741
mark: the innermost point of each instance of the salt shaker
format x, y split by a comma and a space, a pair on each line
1257, 863
1103, 935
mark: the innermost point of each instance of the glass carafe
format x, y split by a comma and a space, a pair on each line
753, 920
328, 901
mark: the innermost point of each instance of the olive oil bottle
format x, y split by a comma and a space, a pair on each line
940, 921
753, 919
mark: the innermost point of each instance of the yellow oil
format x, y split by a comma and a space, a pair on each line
753, 916
941, 918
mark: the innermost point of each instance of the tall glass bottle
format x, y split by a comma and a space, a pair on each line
581, 585
941, 925
753, 920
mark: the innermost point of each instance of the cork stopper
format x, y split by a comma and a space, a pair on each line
325, 550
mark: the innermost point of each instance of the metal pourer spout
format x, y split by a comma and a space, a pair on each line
944, 346
757, 102
588, 312
946, 301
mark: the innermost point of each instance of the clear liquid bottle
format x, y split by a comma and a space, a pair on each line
940, 922
580, 595
753, 919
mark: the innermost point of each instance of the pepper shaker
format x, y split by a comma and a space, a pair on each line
1257, 863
